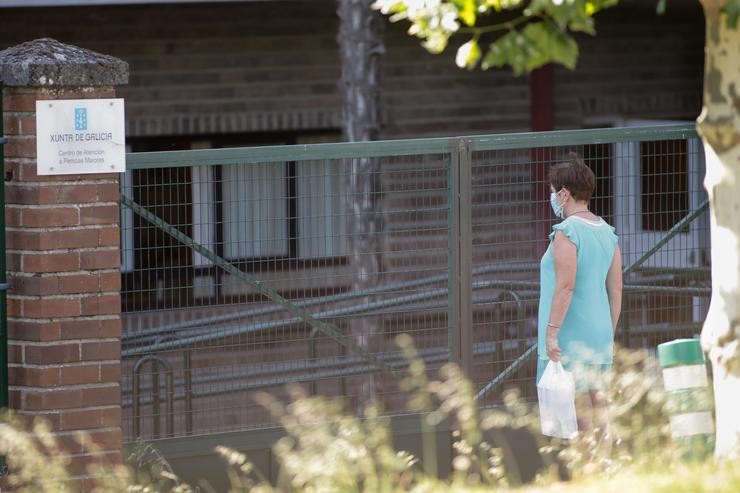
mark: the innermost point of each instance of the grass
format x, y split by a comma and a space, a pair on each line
330, 450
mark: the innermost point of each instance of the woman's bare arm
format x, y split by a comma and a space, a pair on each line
564, 255
614, 287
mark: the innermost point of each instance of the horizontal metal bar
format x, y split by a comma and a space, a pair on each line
281, 154
403, 147
674, 328
653, 289
560, 138
693, 272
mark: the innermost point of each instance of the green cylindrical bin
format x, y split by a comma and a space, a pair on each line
690, 402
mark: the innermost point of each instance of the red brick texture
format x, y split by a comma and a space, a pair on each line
64, 303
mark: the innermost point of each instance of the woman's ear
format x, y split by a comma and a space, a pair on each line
564, 194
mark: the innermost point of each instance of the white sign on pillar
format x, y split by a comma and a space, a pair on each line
78, 136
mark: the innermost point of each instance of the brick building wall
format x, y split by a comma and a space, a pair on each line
640, 65
273, 66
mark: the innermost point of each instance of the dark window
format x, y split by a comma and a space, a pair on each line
664, 183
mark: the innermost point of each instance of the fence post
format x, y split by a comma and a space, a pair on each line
460, 323
63, 258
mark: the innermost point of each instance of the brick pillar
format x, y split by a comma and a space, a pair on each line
63, 258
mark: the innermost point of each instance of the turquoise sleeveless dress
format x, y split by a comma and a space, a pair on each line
586, 336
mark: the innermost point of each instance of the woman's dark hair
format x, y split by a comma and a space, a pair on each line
574, 175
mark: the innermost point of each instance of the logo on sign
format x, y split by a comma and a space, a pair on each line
80, 119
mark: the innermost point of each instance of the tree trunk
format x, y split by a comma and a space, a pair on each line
719, 127
361, 50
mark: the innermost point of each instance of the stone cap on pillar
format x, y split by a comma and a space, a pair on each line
46, 62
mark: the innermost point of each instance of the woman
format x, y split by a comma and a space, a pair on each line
581, 292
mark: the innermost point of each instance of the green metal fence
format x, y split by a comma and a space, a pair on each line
248, 268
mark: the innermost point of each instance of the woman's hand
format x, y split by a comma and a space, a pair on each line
551, 345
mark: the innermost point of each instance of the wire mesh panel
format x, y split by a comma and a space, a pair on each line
243, 277
665, 237
649, 188
248, 269
505, 248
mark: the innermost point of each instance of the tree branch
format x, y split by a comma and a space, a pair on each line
503, 26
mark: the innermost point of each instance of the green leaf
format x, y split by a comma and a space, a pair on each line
515, 50
468, 55
498, 53
576, 15
538, 44
554, 44
593, 6
732, 10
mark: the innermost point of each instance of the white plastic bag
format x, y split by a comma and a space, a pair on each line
557, 395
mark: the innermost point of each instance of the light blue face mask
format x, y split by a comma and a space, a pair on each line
556, 208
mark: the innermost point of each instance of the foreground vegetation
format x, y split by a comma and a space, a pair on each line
329, 450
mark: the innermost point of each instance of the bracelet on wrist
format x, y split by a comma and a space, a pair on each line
553, 325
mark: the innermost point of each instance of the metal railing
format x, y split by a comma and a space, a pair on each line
242, 271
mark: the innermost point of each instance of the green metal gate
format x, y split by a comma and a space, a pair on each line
238, 269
